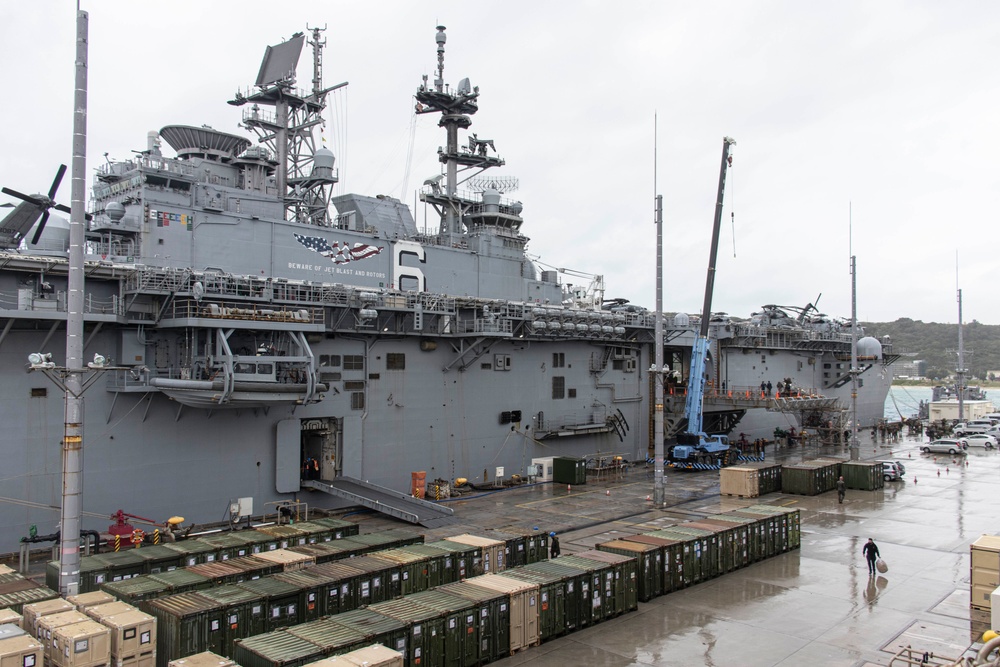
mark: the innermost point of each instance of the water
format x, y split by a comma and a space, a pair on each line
905, 400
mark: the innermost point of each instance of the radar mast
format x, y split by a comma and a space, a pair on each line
455, 109
304, 174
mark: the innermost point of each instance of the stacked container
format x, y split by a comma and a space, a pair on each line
425, 640
375, 655
325, 634
984, 563
485, 624
45, 627
16, 592
203, 659
523, 607
36, 610
85, 644
623, 589
133, 639
10, 617
287, 560
20, 651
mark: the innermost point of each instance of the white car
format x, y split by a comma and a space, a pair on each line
952, 447
980, 440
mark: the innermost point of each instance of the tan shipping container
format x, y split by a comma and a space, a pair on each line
86, 644
523, 607
8, 615
288, 560
204, 659
332, 661
22, 651
375, 655
985, 570
48, 624
133, 634
493, 551
84, 601
739, 481
109, 609
6, 570
35, 610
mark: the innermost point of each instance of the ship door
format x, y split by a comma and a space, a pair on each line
322, 441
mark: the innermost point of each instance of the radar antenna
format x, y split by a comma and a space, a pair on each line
502, 184
305, 173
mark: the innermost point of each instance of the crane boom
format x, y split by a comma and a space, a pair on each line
699, 351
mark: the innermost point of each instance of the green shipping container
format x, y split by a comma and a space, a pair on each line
134, 591
275, 649
464, 561
460, 615
494, 616
186, 623
576, 589
242, 615
597, 607
194, 551
310, 588
228, 545
182, 581
649, 565
624, 589
377, 628
425, 629
159, 558
330, 637
551, 600
16, 591
439, 563
339, 527
703, 545
413, 569
862, 475
343, 591
281, 601
754, 530
569, 470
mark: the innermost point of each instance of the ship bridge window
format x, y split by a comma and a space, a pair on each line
395, 361
245, 369
332, 360
558, 387
358, 400
354, 362
265, 369
558, 359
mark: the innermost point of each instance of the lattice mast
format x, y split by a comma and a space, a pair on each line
304, 172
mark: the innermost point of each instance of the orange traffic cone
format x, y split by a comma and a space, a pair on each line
569, 487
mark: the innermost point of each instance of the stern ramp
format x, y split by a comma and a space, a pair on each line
378, 498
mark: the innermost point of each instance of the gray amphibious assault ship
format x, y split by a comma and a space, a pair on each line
252, 320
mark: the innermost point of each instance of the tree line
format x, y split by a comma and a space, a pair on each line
937, 344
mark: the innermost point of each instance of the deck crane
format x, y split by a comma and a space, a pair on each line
694, 448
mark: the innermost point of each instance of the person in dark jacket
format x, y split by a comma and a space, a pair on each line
554, 549
841, 489
870, 550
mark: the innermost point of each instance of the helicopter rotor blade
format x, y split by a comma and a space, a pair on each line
41, 226
21, 195
57, 180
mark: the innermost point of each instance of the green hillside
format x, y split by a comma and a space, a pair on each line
937, 344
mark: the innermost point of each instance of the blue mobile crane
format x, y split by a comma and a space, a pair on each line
695, 449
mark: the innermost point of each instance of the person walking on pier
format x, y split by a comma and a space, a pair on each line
870, 550
554, 549
841, 490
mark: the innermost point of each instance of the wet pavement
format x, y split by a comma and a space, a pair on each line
813, 606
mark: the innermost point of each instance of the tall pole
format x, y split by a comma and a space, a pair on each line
855, 445
960, 372
72, 445
659, 494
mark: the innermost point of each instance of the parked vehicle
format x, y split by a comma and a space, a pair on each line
965, 428
980, 440
946, 446
892, 471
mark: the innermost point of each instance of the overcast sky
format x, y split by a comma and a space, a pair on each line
881, 112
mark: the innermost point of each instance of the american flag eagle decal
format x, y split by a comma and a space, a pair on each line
340, 253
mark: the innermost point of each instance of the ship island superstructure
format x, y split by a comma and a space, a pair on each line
254, 320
